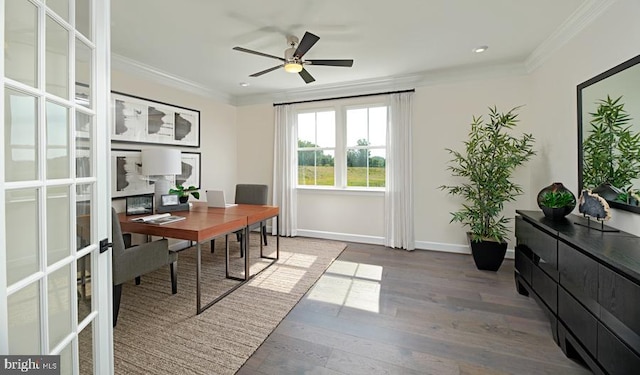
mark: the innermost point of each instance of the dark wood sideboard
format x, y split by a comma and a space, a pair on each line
588, 283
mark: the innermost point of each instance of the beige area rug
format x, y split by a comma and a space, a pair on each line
160, 333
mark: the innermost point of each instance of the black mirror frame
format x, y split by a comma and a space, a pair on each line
616, 69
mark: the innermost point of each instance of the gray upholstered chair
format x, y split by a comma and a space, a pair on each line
130, 262
250, 194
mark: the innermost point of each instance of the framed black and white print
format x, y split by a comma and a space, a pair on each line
126, 174
142, 120
190, 175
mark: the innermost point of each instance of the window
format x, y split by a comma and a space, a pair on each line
316, 148
366, 140
342, 147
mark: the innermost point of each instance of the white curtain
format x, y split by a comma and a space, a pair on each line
285, 163
398, 196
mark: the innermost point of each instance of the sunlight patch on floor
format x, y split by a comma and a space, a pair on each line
350, 284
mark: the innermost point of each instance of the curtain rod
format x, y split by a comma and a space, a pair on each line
346, 97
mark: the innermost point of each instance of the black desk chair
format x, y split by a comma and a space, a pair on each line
250, 194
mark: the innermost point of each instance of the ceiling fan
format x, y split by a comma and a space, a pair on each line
292, 61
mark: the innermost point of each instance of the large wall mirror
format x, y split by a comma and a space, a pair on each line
609, 135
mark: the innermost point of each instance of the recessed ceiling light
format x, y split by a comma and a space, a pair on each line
244, 84
480, 49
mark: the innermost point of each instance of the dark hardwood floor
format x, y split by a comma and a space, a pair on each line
383, 311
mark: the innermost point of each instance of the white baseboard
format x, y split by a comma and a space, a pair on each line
374, 240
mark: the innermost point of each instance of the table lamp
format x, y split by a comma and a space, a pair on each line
158, 163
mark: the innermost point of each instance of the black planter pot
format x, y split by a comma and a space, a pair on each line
488, 255
557, 213
184, 199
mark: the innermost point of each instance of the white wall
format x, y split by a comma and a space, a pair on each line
442, 114
608, 41
442, 118
237, 143
217, 130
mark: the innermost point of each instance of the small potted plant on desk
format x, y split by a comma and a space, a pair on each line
183, 193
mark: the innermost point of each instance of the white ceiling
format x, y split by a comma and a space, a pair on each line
190, 41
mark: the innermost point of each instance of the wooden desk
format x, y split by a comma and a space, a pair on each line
202, 224
254, 214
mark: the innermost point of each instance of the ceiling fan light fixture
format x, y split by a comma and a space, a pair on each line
480, 49
293, 67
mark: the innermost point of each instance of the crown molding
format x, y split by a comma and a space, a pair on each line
392, 83
139, 69
583, 16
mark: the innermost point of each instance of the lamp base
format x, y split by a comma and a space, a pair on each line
161, 186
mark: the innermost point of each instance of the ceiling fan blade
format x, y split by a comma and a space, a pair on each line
347, 63
308, 40
257, 53
266, 71
306, 76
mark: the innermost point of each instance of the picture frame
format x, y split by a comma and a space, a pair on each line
139, 204
140, 120
127, 178
169, 200
126, 174
191, 170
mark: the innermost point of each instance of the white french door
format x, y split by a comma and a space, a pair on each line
55, 285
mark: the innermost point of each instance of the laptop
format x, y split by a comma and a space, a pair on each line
215, 198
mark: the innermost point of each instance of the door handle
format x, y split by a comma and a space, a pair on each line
105, 245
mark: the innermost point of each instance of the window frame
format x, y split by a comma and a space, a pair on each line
341, 148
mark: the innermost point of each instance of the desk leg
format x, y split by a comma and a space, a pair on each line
278, 236
226, 255
198, 270
246, 253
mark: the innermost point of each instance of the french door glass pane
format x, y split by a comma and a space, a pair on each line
20, 136
66, 360
59, 303
20, 44
57, 59
84, 134
85, 349
21, 228
83, 215
57, 141
83, 74
58, 218
60, 7
84, 287
24, 320
83, 17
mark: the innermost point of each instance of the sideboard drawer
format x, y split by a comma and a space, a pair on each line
523, 262
620, 308
579, 276
546, 288
543, 245
580, 321
615, 356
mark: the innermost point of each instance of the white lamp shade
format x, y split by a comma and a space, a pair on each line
161, 162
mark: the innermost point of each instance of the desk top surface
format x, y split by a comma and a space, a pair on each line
202, 222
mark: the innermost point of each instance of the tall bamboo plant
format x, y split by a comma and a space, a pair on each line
491, 155
612, 148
